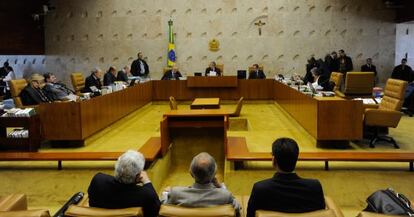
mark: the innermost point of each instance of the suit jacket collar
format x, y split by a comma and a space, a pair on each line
285, 176
203, 186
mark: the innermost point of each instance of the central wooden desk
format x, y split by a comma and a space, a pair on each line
205, 118
205, 103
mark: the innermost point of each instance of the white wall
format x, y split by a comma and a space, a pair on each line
405, 43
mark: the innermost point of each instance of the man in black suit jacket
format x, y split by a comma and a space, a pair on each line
286, 191
256, 73
110, 76
123, 74
403, 72
93, 80
139, 67
33, 94
212, 68
369, 67
345, 62
130, 187
172, 74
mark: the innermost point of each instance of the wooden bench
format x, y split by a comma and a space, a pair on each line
238, 152
150, 150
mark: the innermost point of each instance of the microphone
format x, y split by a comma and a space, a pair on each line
75, 199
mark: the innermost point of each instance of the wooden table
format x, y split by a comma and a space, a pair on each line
216, 81
205, 118
205, 103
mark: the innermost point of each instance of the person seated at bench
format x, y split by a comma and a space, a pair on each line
93, 81
256, 73
321, 82
33, 93
212, 70
130, 187
172, 74
110, 76
123, 74
206, 191
56, 90
286, 191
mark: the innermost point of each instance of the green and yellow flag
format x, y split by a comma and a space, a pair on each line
171, 45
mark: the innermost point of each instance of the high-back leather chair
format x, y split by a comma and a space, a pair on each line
16, 86
221, 67
15, 205
359, 83
179, 211
237, 111
173, 103
331, 210
388, 113
78, 82
337, 78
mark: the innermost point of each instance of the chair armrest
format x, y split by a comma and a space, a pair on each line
26, 213
382, 118
13, 202
330, 204
373, 214
74, 211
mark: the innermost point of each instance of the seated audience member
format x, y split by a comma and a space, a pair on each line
321, 82
123, 74
33, 93
130, 187
286, 191
403, 72
56, 90
110, 76
256, 73
311, 64
94, 80
212, 69
206, 191
172, 74
345, 62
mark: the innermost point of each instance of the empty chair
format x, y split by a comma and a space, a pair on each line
331, 210
173, 103
388, 113
214, 211
237, 111
78, 82
336, 78
16, 86
359, 83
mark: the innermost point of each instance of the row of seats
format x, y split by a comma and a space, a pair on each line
16, 206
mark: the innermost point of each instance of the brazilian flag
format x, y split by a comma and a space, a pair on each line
171, 45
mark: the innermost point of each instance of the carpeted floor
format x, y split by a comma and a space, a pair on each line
261, 123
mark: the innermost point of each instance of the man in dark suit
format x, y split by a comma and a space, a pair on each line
311, 64
256, 73
110, 76
172, 74
345, 62
130, 187
212, 69
286, 191
369, 67
123, 74
332, 62
33, 94
140, 67
403, 72
94, 80
4, 71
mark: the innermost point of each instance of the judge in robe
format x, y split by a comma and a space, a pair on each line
140, 67
212, 70
403, 72
94, 80
123, 74
311, 64
172, 74
110, 76
33, 93
321, 82
332, 62
256, 73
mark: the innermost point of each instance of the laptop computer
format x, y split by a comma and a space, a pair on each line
241, 74
198, 74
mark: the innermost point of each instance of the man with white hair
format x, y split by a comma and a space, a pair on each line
33, 93
206, 191
123, 74
94, 80
130, 187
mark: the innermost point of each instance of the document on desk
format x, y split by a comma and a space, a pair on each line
366, 100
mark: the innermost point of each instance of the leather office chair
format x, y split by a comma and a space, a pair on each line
15, 205
388, 113
337, 78
221, 67
16, 86
78, 82
82, 209
372, 214
331, 210
237, 111
173, 103
179, 211
359, 83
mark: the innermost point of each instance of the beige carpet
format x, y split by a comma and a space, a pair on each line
348, 183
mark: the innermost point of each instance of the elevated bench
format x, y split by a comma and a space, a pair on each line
150, 150
238, 152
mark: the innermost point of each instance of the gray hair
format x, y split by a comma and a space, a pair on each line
203, 168
95, 70
128, 166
